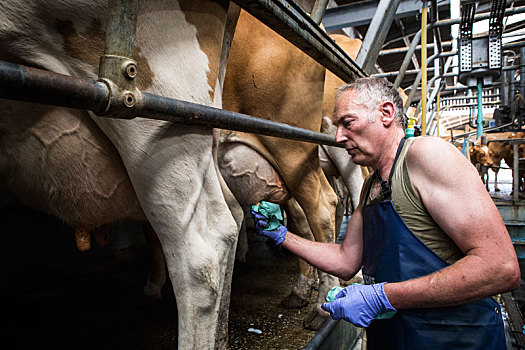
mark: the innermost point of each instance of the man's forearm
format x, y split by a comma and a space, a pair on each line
327, 257
468, 280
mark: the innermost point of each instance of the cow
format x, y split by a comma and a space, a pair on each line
91, 171
480, 158
268, 77
499, 151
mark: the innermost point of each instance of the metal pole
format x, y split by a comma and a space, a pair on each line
437, 112
376, 34
424, 69
477, 18
407, 59
40, 86
480, 109
36, 85
515, 172
120, 30
319, 10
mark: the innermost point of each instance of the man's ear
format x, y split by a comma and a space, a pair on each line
388, 113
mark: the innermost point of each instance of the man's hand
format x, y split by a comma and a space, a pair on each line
359, 304
261, 224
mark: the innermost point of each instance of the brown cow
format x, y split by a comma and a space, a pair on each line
499, 151
270, 78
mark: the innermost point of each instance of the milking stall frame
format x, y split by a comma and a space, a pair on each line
114, 94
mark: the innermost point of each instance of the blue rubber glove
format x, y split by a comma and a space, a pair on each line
359, 304
261, 228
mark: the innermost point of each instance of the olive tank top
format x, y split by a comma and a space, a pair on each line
410, 207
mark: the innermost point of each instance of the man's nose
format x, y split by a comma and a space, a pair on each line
339, 135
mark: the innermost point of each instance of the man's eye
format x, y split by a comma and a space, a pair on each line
347, 123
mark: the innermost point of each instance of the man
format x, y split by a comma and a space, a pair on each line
428, 237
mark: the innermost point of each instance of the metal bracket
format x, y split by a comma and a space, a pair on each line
117, 70
118, 73
465, 39
495, 31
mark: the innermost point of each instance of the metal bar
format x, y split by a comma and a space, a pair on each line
360, 13
170, 109
515, 172
120, 31
444, 43
468, 97
400, 74
424, 69
319, 10
477, 18
407, 59
292, 23
39, 86
486, 130
437, 111
480, 109
398, 50
35, 85
376, 34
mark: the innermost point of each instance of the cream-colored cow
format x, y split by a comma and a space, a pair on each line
91, 171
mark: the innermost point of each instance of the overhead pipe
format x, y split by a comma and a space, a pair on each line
39, 86
402, 72
479, 17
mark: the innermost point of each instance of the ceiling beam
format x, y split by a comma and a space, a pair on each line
361, 13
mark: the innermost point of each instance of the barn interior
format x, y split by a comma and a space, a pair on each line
464, 78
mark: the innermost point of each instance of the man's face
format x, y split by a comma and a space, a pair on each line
354, 128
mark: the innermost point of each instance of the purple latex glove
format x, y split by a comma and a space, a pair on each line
261, 223
359, 304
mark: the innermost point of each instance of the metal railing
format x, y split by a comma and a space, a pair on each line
113, 96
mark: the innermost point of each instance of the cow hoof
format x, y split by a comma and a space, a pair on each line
101, 236
83, 239
152, 290
316, 319
294, 301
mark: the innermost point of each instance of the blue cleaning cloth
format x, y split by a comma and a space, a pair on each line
271, 211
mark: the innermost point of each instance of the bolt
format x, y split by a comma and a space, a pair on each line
131, 70
129, 100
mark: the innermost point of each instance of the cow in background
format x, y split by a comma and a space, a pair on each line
92, 171
499, 151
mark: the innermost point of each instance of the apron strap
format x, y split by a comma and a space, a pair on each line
386, 186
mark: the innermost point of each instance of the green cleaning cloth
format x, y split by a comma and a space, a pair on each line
270, 210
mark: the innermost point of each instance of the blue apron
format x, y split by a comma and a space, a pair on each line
392, 253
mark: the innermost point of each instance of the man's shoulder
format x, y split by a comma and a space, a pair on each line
429, 147
435, 159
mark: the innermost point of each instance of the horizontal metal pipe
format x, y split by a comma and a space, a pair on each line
292, 23
443, 44
467, 97
480, 17
415, 71
170, 109
448, 22
40, 86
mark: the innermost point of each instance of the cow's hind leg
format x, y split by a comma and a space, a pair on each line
174, 174
302, 290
